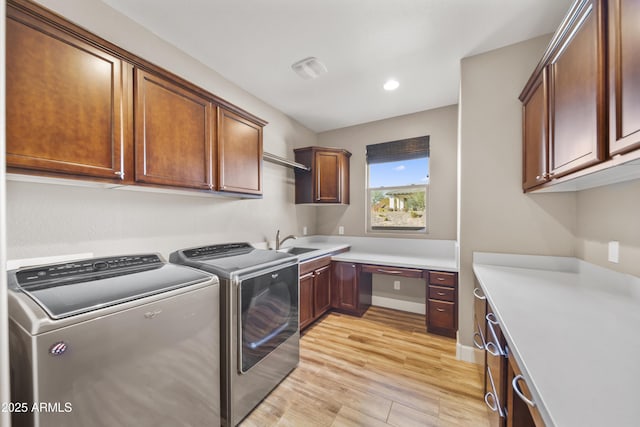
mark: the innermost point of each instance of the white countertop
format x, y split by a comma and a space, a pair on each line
573, 329
410, 253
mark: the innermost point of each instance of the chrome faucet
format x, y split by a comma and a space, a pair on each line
280, 242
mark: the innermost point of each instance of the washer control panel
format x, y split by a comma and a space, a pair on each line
89, 267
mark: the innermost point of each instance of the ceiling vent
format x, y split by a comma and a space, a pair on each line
309, 68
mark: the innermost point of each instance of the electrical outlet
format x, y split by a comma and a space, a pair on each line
614, 251
341, 230
304, 230
396, 285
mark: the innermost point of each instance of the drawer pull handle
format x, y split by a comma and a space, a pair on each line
439, 309
441, 294
477, 295
380, 270
481, 344
493, 349
491, 317
493, 405
519, 392
441, 279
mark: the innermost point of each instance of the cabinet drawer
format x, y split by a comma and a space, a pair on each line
392, 271
314, 264
442, 279
442, 293
441, 314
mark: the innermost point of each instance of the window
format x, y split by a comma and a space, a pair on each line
398, 185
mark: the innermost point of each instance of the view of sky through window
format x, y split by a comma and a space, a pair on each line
405, 172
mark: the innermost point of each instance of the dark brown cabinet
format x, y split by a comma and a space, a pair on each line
173, 134
577, 104
442, 298
315, 290
535, 121
239, 154
328, 179
350, 290
519, 412
624, 76
81, 107
66, 108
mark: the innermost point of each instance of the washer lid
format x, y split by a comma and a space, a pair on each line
228, 258
68, 289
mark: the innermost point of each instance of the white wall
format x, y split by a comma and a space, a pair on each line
46, 219
495, 216
5, 420
441, 125
610, 213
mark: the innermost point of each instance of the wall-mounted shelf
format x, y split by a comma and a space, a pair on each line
284, 162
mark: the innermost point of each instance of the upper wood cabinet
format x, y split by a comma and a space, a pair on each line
577, 107
84, 108
239, 154
66, 106
624, 76
535, 121
173, 134
328, 180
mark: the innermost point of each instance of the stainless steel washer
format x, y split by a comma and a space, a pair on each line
260, 332
116, 341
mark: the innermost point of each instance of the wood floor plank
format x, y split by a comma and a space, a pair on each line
382, 369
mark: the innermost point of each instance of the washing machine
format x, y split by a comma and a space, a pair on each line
114, 341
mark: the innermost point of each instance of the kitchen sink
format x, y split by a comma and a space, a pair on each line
296, 250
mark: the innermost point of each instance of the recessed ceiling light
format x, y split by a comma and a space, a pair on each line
391, 85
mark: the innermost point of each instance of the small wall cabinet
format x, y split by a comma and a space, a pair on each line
328, 179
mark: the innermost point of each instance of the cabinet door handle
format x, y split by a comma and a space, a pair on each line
480, 345
119, 174
519, 392
477, 295
493, 405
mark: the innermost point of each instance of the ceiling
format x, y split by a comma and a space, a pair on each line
362, 43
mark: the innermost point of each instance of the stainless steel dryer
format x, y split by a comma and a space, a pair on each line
260, 334
117, 341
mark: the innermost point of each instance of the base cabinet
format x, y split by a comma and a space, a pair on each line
350, 290
315, 290
442, 299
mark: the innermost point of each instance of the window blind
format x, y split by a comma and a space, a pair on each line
394, 151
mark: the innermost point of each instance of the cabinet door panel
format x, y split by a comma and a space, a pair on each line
345, 286
173, 134
239, 154
576, 98
306, 300
322, 291
64, 102
535, 122
328, 177
624, 74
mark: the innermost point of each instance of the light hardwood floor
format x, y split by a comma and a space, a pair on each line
378, 370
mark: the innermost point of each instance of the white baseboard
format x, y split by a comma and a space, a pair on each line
469, 354
411, 307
